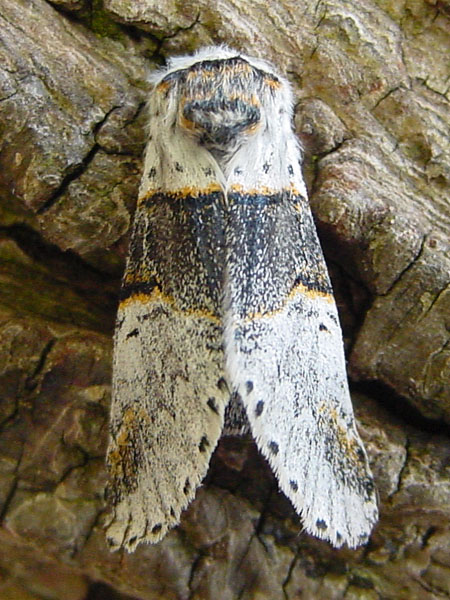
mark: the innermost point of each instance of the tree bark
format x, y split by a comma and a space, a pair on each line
371, 80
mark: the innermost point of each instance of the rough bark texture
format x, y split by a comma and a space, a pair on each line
372, 83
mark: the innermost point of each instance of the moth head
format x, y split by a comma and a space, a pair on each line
219, 101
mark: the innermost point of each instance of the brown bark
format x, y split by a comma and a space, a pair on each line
372, 83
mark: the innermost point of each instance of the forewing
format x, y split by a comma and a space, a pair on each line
285, 357
168, 391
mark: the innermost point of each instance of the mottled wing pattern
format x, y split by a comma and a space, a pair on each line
169, 395
226, 289
285, 353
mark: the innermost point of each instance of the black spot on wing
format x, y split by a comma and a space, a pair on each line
290, 170
157, 528
293, 485
133, 333
145, 317
213, 405
152, 173
369, 487
187, 486
321, 524
323, 327
259, 409
179, 167
273, 447
249, 387
222, 385
266, 167
204, 443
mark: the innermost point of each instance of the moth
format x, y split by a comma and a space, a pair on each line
225, 296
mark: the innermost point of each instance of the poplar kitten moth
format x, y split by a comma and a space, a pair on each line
226, 295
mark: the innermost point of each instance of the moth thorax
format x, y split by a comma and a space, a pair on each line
219, 104
220, 123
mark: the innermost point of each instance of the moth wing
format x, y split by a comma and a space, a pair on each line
166, 418
168, 398
285, 357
